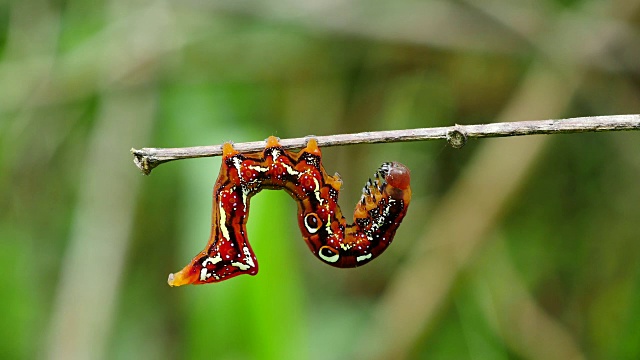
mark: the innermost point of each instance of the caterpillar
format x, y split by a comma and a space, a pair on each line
377, 215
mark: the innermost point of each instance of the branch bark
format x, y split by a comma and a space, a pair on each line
146, 159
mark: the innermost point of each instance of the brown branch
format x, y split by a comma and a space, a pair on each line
146, 159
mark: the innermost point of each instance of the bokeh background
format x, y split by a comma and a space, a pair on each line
518, 248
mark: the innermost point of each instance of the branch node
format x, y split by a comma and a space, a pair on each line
456, 137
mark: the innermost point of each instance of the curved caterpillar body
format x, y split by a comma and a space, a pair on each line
377, 215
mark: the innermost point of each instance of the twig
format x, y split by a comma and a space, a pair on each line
146, 159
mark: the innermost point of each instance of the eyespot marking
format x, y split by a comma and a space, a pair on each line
328, 254
312, 223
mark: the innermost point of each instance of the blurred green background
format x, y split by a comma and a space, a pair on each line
519, 248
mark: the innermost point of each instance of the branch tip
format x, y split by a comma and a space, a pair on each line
143, 161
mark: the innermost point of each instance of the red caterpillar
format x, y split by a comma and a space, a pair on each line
377, 215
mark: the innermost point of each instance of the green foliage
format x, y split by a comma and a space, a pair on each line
565, 245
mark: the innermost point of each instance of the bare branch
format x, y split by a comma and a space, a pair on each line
146, 159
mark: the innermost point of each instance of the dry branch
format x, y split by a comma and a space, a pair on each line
146, 159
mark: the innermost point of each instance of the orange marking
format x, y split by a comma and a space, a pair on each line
312, 147
228, 150
273, 141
